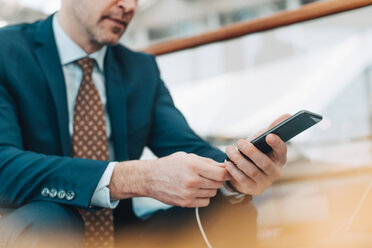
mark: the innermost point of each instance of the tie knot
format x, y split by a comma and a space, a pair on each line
86, 64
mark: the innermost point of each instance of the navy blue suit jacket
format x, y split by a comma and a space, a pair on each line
35, 144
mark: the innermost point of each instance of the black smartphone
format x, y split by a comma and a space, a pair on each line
286, 130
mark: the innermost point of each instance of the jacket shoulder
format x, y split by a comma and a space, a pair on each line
17, 36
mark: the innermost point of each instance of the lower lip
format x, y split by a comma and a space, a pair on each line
117, 23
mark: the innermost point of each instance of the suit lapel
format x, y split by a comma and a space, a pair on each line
47, 55
116, 104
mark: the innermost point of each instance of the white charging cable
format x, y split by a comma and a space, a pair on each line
201, 228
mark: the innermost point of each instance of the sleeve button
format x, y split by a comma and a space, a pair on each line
53, 192
45, 192
61, 194
70, 195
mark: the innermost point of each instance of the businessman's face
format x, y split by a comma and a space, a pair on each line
104, 21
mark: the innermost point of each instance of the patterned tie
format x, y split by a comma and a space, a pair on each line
90, 142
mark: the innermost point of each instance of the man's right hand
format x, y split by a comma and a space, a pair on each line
181, 179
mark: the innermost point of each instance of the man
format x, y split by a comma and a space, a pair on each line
71, 100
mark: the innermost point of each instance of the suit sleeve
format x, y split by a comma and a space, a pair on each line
170, 131
27, 176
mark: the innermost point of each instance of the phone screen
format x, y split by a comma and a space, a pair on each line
287, 129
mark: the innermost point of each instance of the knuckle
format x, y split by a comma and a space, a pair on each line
239, 178
193, 167
242, 179
179, 154
190, 183
253, 172
266, 165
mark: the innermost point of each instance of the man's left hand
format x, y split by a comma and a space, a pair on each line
255, 177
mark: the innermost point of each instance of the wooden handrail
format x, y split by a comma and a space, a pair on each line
305, 13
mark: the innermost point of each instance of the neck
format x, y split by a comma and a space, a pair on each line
77, 33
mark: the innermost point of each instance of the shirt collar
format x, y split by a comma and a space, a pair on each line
69, 51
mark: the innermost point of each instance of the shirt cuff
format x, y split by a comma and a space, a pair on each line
232, 197
101, 196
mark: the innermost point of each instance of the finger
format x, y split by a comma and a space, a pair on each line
213, 172
240, 181
279, 152
201, 202
209, 161
212, 162
260, 159
210, 184
244, 165
202, 193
